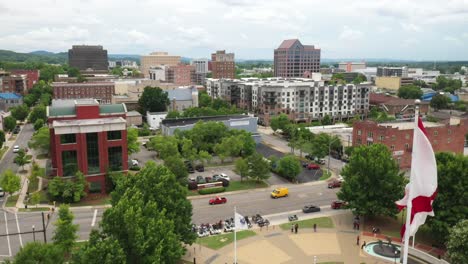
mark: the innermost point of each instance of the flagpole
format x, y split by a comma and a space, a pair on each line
235, 237
409, 205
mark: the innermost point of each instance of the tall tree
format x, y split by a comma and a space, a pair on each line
440, 101
22, 159
188, 151
242, 168
176, 165
132, 141
452, 193
410, 92
100, 249
289, 167
36, 252
259, 167
153, 99
279, 122
65, 230
10, 182
40, 140
373, 181
38, 112
38, 124
2, 138
326, 120
165, 146
9, 123
457, 244
204, 100
20, 112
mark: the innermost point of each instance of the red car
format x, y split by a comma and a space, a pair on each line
334, 184
338, 204
218, 200
313, 166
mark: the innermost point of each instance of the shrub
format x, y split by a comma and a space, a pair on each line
212, 190
134, 168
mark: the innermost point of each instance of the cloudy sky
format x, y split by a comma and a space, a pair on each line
396, 29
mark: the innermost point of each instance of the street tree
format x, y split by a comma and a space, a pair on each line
36, 252
38, 112
440, 101
176, 165
457, 244
289, 167
187, 149
40, 140
326, 120
68, 190
20, 112
10, 182
35, 198
65, 231
165, 146
204, 100
219, 103
242, 168
2, 138
132, 141
100, 249
373, 181
279, 122
9, 123
450, 205
38, 124
259, 167
22, 159
153, 99
410, 91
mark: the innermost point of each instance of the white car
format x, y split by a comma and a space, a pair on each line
222, 175
340, 178
2, 193
16, 149
134, 162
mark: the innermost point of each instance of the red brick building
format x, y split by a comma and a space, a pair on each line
181, 74
101, 91
32, 77
15, 84
88, 137
397, 106
223, 65
398, 137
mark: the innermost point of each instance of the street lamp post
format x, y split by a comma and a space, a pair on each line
34, 234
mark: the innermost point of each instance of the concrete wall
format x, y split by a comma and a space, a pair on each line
392, 83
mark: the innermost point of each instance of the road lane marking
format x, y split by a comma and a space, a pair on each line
19, 231
94, 218
8, 237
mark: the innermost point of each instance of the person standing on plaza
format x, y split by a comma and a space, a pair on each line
296, 227
315, 227
357, 240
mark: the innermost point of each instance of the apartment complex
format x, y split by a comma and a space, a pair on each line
157, 59
180, 74
392, 71
88, 58
292, 59
303, 100
88, 137
351, 66
32, 77
223, 65
101, 91
398, 137
18, 81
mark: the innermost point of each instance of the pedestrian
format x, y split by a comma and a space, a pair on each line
363, 245
292, 228
357, 226
296, 227
357, 240
315, 227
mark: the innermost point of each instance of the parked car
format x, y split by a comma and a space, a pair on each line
279, 192
16, 130
263, 222
200, 179
309, 157
310, 209
340, 178
134, 162
16, 149
200, 168
218, 200
208, 179
304, 164
222, 175
313, 166
2, 192
338, 204
334, 184
321, 161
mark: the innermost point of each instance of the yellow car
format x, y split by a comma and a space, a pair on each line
279, 192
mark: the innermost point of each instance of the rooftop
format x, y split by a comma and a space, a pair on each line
87, 122
70, 109
10, 96
182, 94
82, 84
192, 120
409, 125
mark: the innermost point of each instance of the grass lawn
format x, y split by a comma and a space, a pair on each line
322, 222
11, 202
3, 151
325, 176
34, 209
245, 185
90, 202
192, 193
219, 241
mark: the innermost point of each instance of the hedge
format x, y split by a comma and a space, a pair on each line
212, 190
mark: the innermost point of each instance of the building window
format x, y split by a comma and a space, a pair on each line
67, 138
406, 136
370, 134
69, 162
93, 153
381, 138
406, 146
358, 132
393, 138
392, 147
115, 158
114, 135
436, 133
95, 187
448, 140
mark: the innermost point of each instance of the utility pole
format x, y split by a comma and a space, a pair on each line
44, 228
34, 234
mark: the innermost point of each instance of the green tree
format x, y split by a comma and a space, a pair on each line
38, 124
176, 165
68, 190
440, 101
144, 131
153, 99
457, 244
259, 167
38, 112
100, 249
279, 122
20, 112
173, 114
204, 100
289, 167
410, 92
450, 205
36, 252
374, 112
205, 135
30, 100
229, 147
219, 103
359, 79
40, 140
326, 121
242, 168
373, 181
10, 182
165, 146
187, 150
45, 99
35, 198
9, 123
204, 156
22, 159
132, 141
2, 138
65, 231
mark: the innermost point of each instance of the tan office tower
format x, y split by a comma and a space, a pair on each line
292, 59
223, 65
156, 59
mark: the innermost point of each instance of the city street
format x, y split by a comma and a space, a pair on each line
22, 140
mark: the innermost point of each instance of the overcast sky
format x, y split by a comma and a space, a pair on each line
395, 29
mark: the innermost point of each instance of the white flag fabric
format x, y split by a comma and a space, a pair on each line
240, 222
422, 189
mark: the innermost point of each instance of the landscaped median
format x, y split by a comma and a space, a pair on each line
218, 241
322, 222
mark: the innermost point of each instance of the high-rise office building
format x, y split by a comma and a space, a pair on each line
84, 58
223, 65
155, 59
292, 59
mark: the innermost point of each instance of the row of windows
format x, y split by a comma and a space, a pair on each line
70, 160
71, 138
407, 136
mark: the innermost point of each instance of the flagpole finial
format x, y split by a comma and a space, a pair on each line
417, 101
